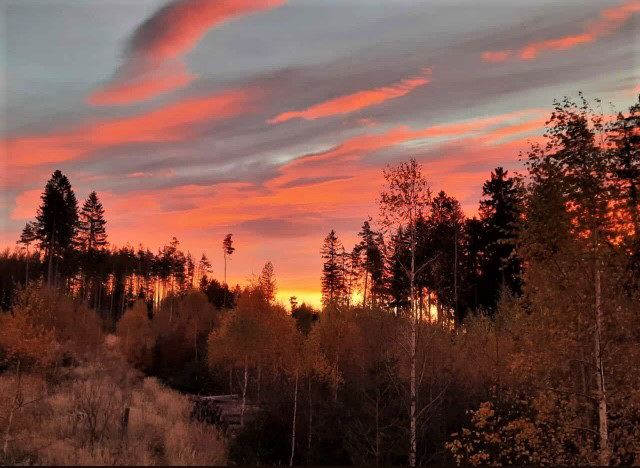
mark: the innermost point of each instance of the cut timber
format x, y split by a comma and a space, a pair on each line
224, 411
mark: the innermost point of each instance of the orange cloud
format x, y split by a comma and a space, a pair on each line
356, 147
609, 20
496, 55
163, 124
356, 101
152, 65
212, 211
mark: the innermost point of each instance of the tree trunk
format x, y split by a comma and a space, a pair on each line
603, 432
51, 243
259, 383
378, 427
455, 280
335, 379
27, 278
244, 390
414, 339
310, 418
224, 301
364, 296
293, 426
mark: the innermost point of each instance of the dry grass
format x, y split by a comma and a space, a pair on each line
76, 419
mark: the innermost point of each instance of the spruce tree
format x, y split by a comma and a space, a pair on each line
333, 285
500, 212
92, 234
57, 220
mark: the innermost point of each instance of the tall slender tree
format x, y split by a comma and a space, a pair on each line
406, 198
28, 235
227, 250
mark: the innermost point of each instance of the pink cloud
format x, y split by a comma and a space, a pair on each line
162, 124
607, 23
141, 86
496, 55
356, 101
153, 57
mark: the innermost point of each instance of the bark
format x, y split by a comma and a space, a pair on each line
224, 301
244, 390
455, 280
378, 428
364, 296
335, 379
310, 417
51, 243
27, 278
293, 426
259, 384
603, 432
413, 345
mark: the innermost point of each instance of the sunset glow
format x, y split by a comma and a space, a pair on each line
273, 119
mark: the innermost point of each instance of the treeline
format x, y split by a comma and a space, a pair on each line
67, 248
511, 338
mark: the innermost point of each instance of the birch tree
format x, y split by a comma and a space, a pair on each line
406, 198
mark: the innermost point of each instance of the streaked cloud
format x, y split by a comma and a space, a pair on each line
153, 52
609, 20
160, 125
356, 101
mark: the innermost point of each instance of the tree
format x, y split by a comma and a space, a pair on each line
407, 198
333, 285
500, 212
28, 235
625, 136
267, 282
56, 220
301, 358
371, 261
227, 249
92, 234
572, 273
441, 240
204, 268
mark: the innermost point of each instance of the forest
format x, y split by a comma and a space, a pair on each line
507, 338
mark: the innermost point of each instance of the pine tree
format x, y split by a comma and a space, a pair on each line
57, 220
333, 284
92, 234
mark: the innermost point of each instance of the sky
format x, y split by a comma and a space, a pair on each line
273, 119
